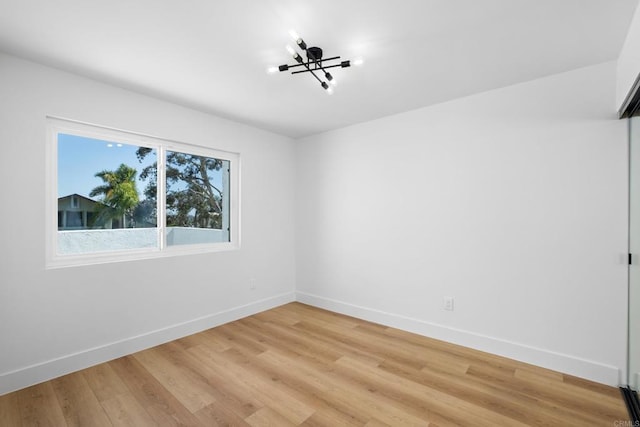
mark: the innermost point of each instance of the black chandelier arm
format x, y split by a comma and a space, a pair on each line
312, 73
329, 66
308, 63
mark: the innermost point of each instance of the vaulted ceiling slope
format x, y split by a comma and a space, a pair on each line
212, 55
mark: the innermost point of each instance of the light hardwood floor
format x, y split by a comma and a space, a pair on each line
299, 365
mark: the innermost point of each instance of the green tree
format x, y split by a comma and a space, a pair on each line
192, 200
119, 194
144, 214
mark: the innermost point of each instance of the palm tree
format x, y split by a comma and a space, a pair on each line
119, 193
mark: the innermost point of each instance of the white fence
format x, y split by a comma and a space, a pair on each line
72, 242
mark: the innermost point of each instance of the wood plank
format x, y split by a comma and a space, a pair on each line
591, 403
187, 388
124, 410
10, 410
512, 404
500, 401
309, 312
311, 378
218, 414
377, 423
602, 389
282, 317
231, 395
104, 382
329, 415
212, 339
266, 417
79, 405
159, 403
301, 343
370, 343
418, 399
330, 410
39, 406
229, 333
231, 366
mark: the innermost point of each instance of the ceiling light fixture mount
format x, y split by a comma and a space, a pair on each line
315, 63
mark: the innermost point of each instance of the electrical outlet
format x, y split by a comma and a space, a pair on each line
252, 284
447, 303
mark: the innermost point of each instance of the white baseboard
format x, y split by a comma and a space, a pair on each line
564, 363
34, 374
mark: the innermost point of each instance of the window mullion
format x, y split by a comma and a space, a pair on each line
226, 225
162, 197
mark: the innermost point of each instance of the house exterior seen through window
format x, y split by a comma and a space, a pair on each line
120, 196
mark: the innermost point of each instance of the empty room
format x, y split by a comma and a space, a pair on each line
291, 213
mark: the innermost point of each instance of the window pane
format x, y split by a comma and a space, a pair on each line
197, 199
106, 196
74, 219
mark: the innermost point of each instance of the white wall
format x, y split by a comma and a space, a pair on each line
56, 321
629, 60
514, 202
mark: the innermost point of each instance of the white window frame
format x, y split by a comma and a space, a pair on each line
56, 126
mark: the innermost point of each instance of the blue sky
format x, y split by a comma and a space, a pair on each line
80, 158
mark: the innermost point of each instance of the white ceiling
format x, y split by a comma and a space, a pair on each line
212, 55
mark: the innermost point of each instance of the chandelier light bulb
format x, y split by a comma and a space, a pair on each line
294, 35
358, 62
272, 70
290, 50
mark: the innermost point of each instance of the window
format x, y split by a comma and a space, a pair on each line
116, 196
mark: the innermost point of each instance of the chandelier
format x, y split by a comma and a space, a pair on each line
314, 64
